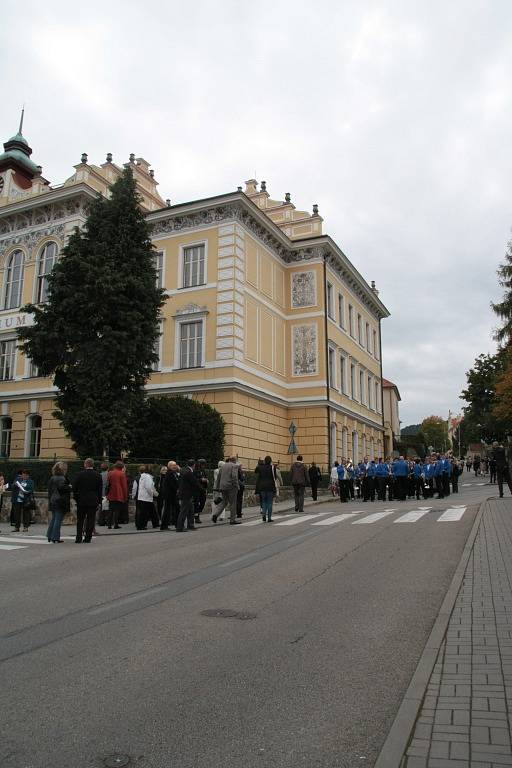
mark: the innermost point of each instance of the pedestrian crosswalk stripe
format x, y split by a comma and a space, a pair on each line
373, 518
411, 517
452, 515
260, 520
22, 540
7, 547
303, 518
336, 518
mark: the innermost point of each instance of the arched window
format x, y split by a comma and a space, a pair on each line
355, 447
344, 442
34, 423
14, 280
45, 264
333, 441
5, 436
372, 448
363, 446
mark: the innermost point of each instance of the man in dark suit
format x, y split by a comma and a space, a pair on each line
87, 490
189, 488
499, 455
169, 488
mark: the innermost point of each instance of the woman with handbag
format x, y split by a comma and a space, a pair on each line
59, 498
266, 488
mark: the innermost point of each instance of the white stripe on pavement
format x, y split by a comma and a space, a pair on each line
374, 518
337, 518
303, 518
260, 521
451, 515
411, 517
7, 547
24, 540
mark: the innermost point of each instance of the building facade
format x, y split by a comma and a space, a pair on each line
266, 319
391, 398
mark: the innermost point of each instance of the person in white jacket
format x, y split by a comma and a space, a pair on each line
146, 494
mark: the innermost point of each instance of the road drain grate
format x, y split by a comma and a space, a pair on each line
227, 613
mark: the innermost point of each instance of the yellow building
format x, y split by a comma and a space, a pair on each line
390, 399
266, 318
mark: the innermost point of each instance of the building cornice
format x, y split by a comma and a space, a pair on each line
236, 206
53, 196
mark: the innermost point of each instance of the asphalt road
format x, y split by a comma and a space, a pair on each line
105, 653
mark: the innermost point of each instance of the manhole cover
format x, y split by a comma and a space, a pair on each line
116, 761
221, 613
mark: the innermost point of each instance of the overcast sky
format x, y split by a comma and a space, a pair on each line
395, 117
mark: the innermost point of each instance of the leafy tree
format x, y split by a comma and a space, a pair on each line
435, 432
480, 419
412, 429
97, 332
503, 308
178, 428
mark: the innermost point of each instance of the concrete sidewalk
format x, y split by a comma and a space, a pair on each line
461, 718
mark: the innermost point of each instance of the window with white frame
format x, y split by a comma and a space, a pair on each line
360, 329
193, 265
352, 381
14, 280
375, 345
355, 447
156, 350
343, 374
7, 359
5, 436
34, 424
370, 393
361, 387
331, 356
45, 263
351, 320
344, 442
368, 337
341, 310
330, 304
333, 440
33, 370
158, 263
191, 344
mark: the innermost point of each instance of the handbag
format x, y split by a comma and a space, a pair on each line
105, 504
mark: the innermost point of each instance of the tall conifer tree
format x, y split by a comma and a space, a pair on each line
96, 334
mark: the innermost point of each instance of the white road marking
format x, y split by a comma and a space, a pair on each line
336, 519
303, 518
412, 517
373, 518
23, 540
451, 515
7, 547
260, 521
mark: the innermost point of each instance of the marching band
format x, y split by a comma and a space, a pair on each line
397, 479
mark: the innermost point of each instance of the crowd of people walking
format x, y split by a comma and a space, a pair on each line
176, 498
